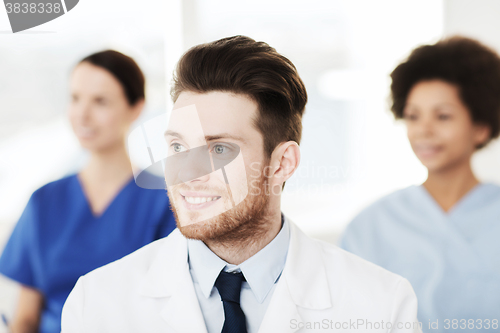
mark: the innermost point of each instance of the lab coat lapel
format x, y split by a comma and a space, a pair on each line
168, 279
182, 311
303, 284
282, 311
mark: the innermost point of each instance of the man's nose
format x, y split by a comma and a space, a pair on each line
184, 167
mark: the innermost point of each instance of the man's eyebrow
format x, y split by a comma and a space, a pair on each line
207, 137
173, 133
223, 136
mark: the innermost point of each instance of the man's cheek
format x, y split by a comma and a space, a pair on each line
255, 189
173, 196
237, 179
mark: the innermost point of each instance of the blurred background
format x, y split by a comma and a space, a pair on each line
353, 152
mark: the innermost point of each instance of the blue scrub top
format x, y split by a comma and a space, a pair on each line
58, 239
452, 259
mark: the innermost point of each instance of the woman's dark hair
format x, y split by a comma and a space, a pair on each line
471, 66
241, 65
124, 69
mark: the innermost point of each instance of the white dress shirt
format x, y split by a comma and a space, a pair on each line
261, 271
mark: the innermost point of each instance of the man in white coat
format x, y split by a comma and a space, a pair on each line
236, 264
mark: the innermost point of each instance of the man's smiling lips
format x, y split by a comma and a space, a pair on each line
197, 200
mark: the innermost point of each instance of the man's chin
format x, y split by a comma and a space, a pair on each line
187, 218
197, 230
211, 230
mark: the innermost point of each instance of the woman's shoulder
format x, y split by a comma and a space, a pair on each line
401, 198
487, 194
59, 187
379, 217
388, 209
490, 188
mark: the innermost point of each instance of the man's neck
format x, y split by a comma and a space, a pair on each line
237, 250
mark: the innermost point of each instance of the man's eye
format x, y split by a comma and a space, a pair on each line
219, 149
178, 148
444, 117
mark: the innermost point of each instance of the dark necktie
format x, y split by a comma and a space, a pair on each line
229, 287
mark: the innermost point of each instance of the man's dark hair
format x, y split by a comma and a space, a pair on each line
471, 66
241, 65
124, 69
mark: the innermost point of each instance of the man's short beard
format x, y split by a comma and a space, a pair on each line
246, 221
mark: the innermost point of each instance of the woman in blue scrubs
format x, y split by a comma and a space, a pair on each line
444, 235
76, 224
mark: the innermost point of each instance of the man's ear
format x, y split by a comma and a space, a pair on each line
285, 160
136, 109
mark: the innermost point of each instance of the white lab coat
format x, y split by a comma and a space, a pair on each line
322, 287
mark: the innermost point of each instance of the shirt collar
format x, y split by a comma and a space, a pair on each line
261, 270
